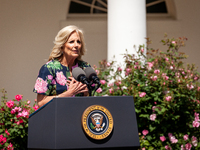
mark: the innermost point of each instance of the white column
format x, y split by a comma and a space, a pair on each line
126, 27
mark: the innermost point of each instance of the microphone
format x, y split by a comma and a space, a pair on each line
92, 75
79, 75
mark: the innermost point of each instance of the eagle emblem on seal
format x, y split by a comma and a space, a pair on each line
97, 122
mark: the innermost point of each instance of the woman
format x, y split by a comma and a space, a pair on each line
54, 79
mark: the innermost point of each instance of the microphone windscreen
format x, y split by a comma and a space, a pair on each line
77, 73
89, 71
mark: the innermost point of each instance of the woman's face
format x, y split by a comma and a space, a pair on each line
73, 46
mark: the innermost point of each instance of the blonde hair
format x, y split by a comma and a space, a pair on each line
61, 38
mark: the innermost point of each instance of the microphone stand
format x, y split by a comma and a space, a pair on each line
98, 85
89, 89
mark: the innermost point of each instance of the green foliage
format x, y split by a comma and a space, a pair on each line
14, 122
166, 94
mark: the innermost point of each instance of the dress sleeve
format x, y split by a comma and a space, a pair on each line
44, 81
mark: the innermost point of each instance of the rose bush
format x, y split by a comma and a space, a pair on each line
14, 122
166, 94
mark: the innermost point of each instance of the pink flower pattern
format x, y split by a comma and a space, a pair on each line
41, 85
60, 78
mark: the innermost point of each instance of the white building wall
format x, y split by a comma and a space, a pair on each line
28, 28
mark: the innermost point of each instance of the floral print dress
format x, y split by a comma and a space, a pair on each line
53, 76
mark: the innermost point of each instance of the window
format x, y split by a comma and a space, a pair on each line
100, 6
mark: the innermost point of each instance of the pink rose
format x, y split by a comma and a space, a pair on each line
99, 90
164, 74
28, 102
150, 65
172, 138
97, 71
10, 147
167, 147
41, 85
12, 111
24, 114
102, 82
128, 70
162, 138
195, 124
166, 77
182, 147
142, 94
110, 90
60, 78
194, 141
185, 137
145, 132
21, 121
7, 132
196, 115
18, 109
119, 69
36, 107
152, 117
168, 98
10, 104
190, 86
18, 97
142, 50
188, 146
108, 64
110, 84
156, 71
154, 78
118, 83
173, 42
2, 139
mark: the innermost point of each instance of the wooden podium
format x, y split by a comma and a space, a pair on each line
58, 124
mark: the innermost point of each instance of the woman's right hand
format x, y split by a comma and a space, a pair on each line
75, 87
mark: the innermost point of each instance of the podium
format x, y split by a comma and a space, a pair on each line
58, 124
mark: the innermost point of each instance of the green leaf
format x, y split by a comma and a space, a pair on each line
144, 115
150, 148
145, 142
151, 128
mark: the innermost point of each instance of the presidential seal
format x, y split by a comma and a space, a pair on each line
97, 122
